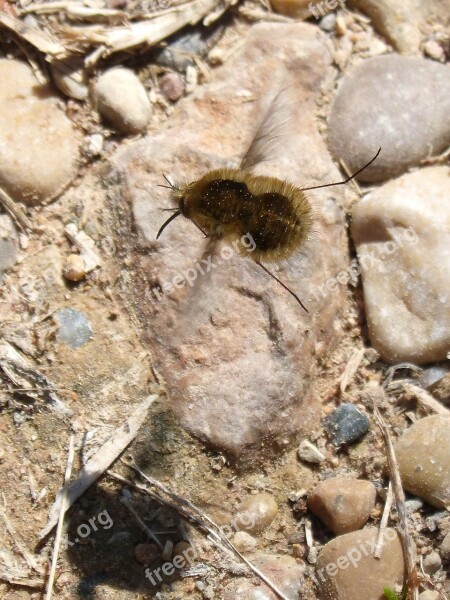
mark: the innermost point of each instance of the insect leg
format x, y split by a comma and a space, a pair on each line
282, 285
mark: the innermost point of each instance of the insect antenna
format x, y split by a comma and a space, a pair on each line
169, 220
170, 186
316, 187
282, 285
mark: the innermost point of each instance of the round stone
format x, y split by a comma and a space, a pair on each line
402, 234
445, 547
347, 570
74, 269
256, 513
343, 505
423, 456
346, 424
243, 541
432, 563
410, 119
145, 554
39, 146
122, 100
172, 86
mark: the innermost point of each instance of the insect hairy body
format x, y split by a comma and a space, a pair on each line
230, 203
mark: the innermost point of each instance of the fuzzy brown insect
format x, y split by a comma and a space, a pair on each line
230, 203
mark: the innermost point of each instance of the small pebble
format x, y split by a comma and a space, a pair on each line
122, 100
94, 145
434, 50
405, 89
402, 234
70, 77
343, 505
444, 548
41, 155
185, 553
256, 513
74, 327
74, 269
346, 425
328, 22
347, 570
172, 86
310, 453
423, 456
145, 554
432, 563
243, 541
283, 571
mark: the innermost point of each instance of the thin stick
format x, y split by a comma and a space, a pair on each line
384, 520
407, 542
282, 285
194, 515
351, 368
62, 510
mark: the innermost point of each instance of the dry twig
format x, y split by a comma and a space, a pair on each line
384, 521
407, 542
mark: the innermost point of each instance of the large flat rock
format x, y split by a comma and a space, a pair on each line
236, 351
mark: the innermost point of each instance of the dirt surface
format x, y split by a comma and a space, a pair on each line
103, 381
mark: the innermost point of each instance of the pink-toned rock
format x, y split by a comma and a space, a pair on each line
343, 505
38, 143
347, 570
283, 571
237, 352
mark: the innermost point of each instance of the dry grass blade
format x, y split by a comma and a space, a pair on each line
192, 513
407, 542
350, 369
28, 583
100, 462
43, 42
62, 510
384, 521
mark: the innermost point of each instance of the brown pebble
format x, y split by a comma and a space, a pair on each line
445, 547
74, 269
183, 555
423, 455
343, 505
347, 570
172, 86
145, 554
256, 513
